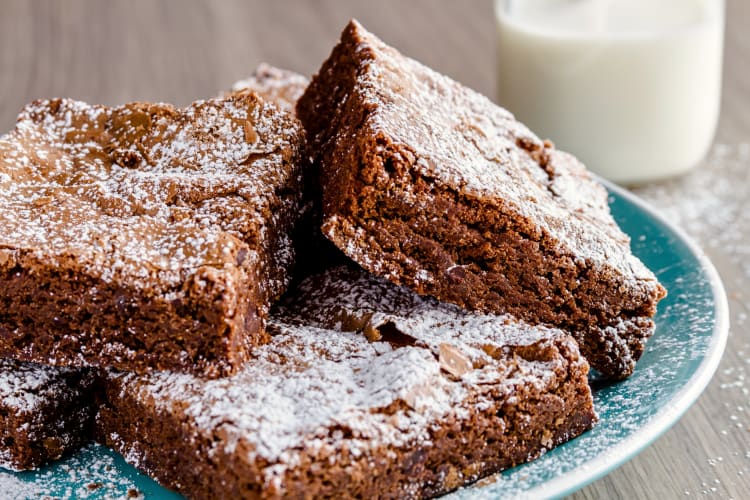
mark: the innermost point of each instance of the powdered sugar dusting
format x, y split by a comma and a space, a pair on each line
142, 194
463, 142
299, 391
350, 299
25, 387
306, 381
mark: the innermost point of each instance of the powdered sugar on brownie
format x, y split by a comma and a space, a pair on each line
44, 412
24, 387
145, 236
305, 382
348, 299
314, 384
141, 193
462, 141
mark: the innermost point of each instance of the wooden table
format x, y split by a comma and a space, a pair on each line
176, 51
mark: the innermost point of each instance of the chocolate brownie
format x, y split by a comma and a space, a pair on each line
390, 395
280, 86
44, 412
433, 186
145, 236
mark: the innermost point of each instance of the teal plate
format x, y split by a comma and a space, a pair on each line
691, 331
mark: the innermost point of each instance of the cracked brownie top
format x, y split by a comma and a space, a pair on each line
144, 194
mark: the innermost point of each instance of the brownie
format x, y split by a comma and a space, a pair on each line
431, 185
365, 390
146, 236
44, 412
280, 86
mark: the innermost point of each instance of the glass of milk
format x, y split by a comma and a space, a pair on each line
631, 87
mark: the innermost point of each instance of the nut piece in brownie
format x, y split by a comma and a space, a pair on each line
44, 412
366, 390
145, 236
280, 86
433, 186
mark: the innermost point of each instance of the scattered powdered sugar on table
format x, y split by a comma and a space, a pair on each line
712, 203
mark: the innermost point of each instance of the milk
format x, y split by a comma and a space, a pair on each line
631, 87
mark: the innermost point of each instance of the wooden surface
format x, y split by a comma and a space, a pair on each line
177, 51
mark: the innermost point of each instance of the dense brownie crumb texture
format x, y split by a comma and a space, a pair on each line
432, 186
145, 236
44, 412
365, 390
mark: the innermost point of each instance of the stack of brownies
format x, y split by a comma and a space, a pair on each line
375, 283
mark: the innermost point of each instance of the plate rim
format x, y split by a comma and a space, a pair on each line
667, 416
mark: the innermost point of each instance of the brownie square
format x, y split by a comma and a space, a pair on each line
44, 413
366, 390
431, 185
146, 236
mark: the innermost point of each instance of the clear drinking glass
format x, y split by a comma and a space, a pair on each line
631, 87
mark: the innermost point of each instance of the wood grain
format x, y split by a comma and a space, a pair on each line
179, 50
